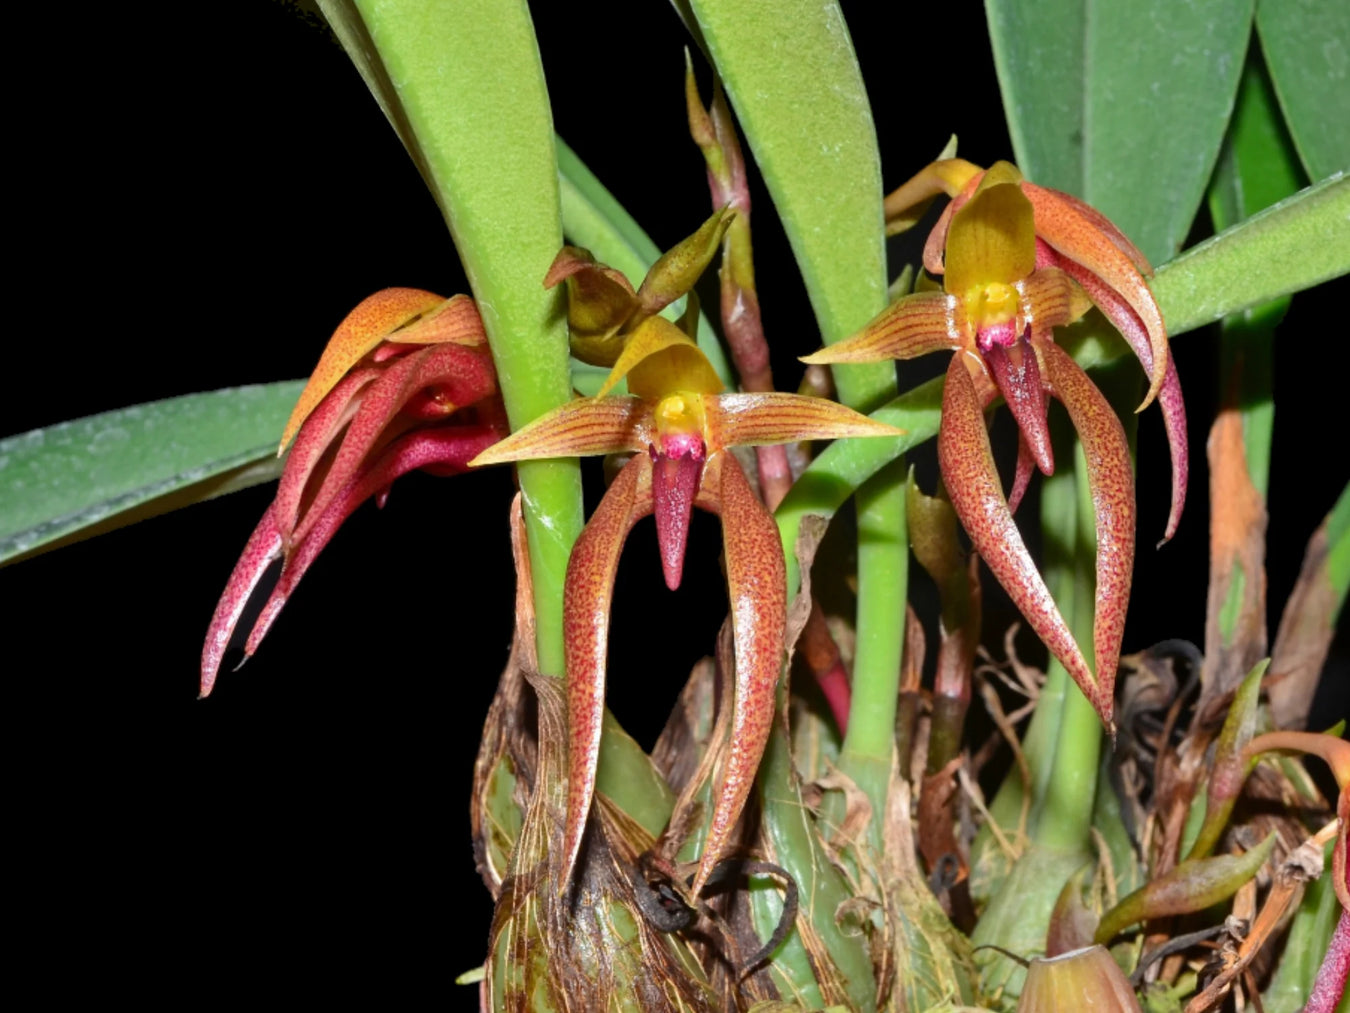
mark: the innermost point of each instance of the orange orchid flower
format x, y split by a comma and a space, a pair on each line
1018, 260
680, 424
406, 382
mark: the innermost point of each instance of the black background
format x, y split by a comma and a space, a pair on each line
198, 198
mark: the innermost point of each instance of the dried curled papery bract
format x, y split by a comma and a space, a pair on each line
1018, 260
406, 382
680, 424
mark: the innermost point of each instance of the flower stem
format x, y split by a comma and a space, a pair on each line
883, 555
495, 177
1065, 813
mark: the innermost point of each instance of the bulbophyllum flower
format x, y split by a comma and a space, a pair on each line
1016, 261
679, 424
405, 382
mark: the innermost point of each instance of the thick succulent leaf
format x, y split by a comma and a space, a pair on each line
1296, 244
375, 318
1307, 49
1192, 885
81, 478
757, 583
793, 80
600, 425
1111, 479
754, 420
427, 63
971, 478
586, 605
260, 551
1092, 91
915, 325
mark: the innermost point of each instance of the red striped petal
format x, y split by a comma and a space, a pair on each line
913, 326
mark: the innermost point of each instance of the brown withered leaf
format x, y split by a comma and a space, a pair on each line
689, 729
503, 773
1304, 637
1237, 574
576, 949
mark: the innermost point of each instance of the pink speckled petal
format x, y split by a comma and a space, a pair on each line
463, 376
1088, 253
1127, 321
1111, 479
315, 437
448, 448
757, 583
1017, 375
968, 471
262, 548
373, 320
1026, 466
587, 595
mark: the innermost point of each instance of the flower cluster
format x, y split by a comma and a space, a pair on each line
680, 425
1016, 261
406, 382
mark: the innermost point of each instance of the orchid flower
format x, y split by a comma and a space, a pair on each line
1018, 260
679, 424
406, 382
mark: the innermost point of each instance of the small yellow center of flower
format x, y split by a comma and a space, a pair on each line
992, 304
679, 424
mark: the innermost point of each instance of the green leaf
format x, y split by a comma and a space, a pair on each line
790, 72
464, 88
1296, 244
1122, 104
1257, 168
793, 80
78, 479
1307, 47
